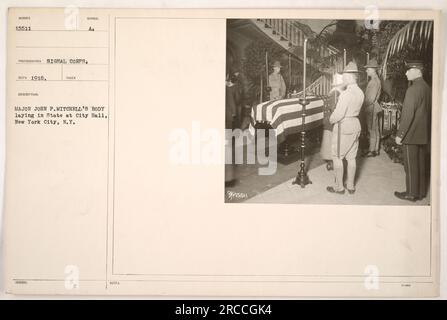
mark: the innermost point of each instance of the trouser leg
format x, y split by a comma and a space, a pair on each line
378, 131
374, 134
338, 170
229, 156
246, 113
422, 172
407, 176
369, 123
239, 116
351, 156
411, 164
352, 166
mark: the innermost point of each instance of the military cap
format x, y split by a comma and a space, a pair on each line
419, 64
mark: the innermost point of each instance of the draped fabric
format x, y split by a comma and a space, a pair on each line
285, 115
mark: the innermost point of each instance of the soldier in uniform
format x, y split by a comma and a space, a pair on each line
346, 131
373, 108
326, 142
277, 86
414, 132
231, 97
244, 102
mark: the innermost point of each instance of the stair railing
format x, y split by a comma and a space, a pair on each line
287, 31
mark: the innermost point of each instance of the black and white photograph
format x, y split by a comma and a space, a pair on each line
315, 171
328, 111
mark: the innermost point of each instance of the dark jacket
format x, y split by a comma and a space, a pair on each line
372, 94
243, 89
231, 96
416, 114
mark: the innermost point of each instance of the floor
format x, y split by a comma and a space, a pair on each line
250, 183
377, 179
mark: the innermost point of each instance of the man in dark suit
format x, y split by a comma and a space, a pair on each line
243, 104
231, 98
414, 132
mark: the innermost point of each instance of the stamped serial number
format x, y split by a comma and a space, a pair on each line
23, 28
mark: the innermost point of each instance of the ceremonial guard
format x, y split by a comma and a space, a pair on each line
326, 142
277, 86
346, 131
372, 108
243, 104
414, 132
231, 98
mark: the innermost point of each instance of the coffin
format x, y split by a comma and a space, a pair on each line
285, 115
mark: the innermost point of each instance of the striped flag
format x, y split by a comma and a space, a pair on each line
285, 115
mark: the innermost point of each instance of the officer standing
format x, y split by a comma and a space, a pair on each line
346, 131
414, 132
373, 108
326, 142
244, 102
276, 83
231, 97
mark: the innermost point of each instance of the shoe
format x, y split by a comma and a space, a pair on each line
405, 196
370, 154
332, 190
350, 191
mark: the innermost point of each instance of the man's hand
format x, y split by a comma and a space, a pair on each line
399, 141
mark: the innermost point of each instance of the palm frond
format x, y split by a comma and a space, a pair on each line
414, 31
407, 36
